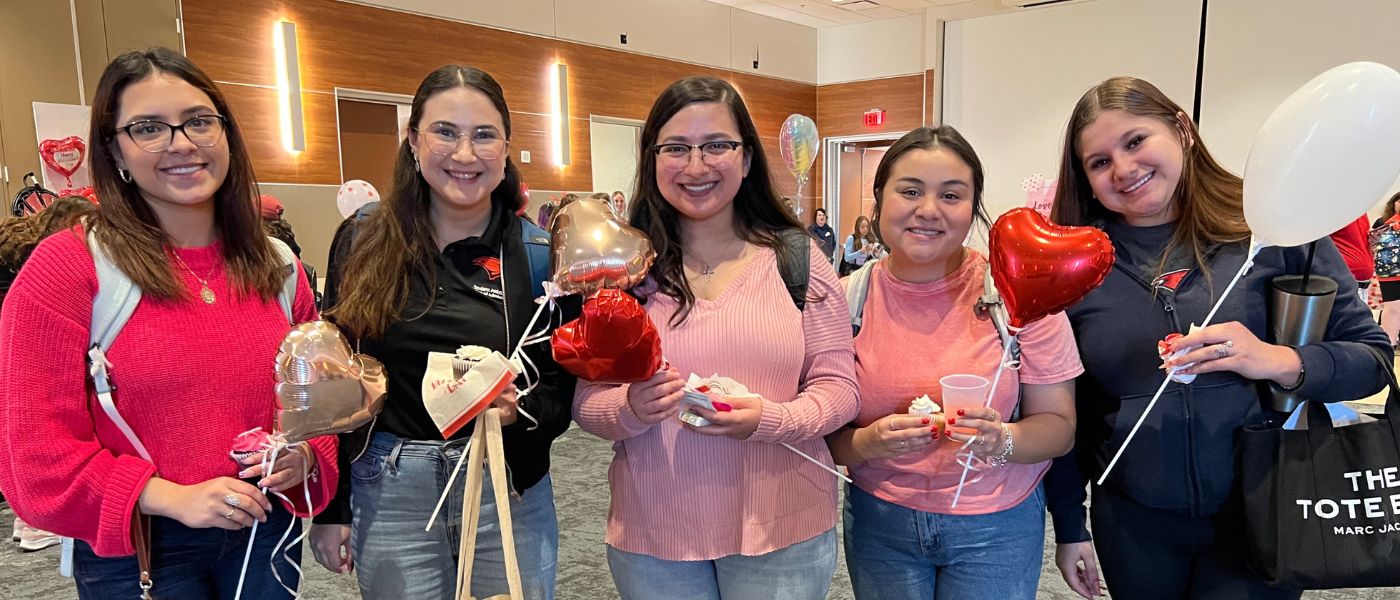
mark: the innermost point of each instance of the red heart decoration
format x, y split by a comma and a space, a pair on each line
1041, 268
613, 340
64, 156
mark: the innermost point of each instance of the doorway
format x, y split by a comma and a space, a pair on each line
613, 147
371, 126
848, 173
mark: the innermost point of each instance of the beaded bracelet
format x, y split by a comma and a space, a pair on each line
1001, 459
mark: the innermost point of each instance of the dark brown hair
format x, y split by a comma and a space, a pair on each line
396, 243
1390, 207
125, 224
1209, 200
19, 236
870, 230
759, 213
931, 138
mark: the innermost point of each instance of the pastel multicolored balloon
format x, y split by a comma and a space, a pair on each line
797, 142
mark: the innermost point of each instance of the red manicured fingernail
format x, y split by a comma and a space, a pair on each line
925, 420
951, 420
935, 433
962, 413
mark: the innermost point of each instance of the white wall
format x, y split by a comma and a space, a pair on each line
688, 30
529, 16
870, 50
786, 50
614, 156
1010, 81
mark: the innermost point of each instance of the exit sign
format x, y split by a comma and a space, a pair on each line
875, 117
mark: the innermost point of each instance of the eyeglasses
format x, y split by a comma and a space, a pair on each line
486, 143
713, 154
156, 136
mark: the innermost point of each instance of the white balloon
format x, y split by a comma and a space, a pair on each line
1325, 155
353, 194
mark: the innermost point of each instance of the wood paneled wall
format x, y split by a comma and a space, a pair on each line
840, 106
352, 46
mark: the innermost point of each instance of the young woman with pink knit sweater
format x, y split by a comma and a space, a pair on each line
724, 510
192, 365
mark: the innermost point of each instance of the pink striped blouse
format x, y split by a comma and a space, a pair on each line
679, 495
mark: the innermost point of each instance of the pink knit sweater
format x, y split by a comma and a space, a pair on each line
679, 495
189, 377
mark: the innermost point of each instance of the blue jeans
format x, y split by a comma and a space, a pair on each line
897, 553
801, 571
394, 487
193, 564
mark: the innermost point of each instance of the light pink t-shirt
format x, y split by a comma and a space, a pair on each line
914, 334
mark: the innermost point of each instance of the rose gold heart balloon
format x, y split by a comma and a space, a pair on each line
593, 250
322, 387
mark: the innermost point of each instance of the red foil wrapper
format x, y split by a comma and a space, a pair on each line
612, 341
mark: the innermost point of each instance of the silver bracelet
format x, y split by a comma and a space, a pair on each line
1000, 460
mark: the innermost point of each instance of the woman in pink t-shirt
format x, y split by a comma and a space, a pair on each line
904, 538
724, 510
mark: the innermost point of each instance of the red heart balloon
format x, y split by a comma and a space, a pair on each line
1041, 268
63, 156
613, 340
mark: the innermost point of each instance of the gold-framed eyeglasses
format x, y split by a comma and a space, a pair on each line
156, 136
713, 153
487, 143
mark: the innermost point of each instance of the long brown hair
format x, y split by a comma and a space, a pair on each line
125, 224
19, 236
1390, 208
396, 243
1209, 200
759, 213
869, 235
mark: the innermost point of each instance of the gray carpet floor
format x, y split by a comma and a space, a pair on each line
580, 476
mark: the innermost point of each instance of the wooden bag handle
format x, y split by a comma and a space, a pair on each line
487, 438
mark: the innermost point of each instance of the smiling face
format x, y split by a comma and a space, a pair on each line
183, 175
926, 210
458, 177
1133, 164
701, 185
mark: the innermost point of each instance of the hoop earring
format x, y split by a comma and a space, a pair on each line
125, 175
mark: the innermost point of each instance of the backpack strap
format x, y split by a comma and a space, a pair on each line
288, 294
537, 252
798, 270
117, 298
857, 288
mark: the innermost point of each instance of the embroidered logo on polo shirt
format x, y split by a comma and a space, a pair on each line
491, 265
1170, 281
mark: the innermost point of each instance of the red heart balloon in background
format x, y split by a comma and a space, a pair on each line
63, 156
1041, 268
613, 340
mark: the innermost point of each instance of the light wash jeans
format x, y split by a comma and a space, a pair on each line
395, 485
898, 553
801, 571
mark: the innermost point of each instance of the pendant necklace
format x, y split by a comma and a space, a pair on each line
205, 294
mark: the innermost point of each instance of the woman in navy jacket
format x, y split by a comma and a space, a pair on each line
1168, 518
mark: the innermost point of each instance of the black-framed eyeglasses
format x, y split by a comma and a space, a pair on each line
711, 153
155, 136
487, 143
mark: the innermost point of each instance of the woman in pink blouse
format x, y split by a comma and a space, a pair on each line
904, 538
724, 510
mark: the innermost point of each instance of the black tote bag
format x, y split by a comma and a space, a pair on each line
1322, 506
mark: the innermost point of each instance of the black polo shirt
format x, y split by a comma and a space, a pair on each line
463, 306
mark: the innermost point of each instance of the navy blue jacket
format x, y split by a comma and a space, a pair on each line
1183, 458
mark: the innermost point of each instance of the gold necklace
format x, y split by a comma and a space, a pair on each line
205, 294
707, 270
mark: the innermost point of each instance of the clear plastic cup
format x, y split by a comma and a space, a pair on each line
963, 392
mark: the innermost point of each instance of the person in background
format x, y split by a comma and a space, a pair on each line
724, 510
861, 246
619, 204
1354, 244
274, 225
1169, 517
193, 363
18, 238
1385, 247
826, 236
905, 539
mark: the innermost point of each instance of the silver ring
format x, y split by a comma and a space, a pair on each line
903, 444
1229, 343
232, 500
229, 515
1222, 350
